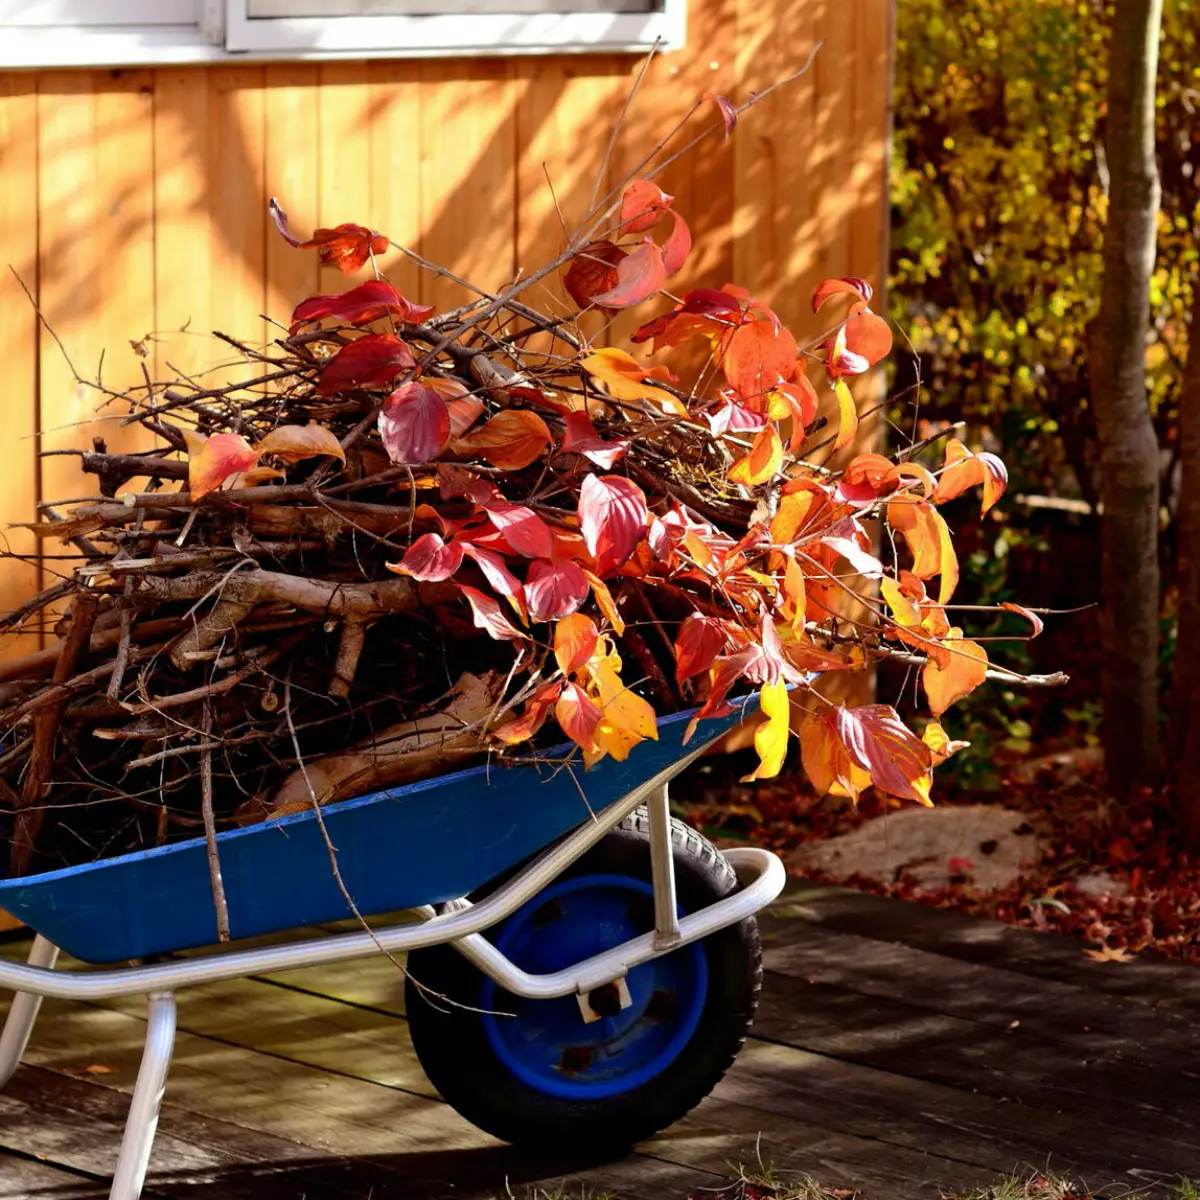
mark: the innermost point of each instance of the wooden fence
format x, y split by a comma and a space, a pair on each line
134, 202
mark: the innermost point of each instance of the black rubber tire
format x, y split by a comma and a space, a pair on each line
453, 1048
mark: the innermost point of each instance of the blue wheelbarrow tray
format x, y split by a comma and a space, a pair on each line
424, 843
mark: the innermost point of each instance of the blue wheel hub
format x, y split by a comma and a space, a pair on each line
546, 1043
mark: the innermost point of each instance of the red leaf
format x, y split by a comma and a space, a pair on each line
525, 532
456, 481
554, 589
429, 559
612, 516
851, 285
757, 357
525, 726
699, 641
878, 741
677, 246
734, 418
495, 571
368, 302
702, 311
729, 114
346, 247
642, 204
212, 460
414, 424
578, 715
639, 275
592, 271
488, 615
369, 362
581, 438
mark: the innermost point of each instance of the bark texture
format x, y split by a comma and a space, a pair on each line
1183, 748
1129, 459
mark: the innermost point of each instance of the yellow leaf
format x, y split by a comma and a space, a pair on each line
939, 742
770, 738
763, 461
623, 376
965, 670
293, 443
847, 415
627, 718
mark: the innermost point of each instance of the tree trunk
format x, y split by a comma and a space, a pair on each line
1129, 479
1183, 746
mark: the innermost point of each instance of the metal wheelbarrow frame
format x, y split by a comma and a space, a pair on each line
460, 923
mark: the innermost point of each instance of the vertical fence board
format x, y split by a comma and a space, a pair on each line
19, 342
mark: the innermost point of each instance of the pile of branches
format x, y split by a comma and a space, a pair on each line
405, 539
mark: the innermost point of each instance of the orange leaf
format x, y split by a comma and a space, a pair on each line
963, 673
605, 602
522, 728
212, 460
868, 336
928, 538
770, 738
847, 415
826, 762
876, 739
763, 462
511, 440
293, 443
964, 470
642, 204
592, 271
677, 246
575, 640
578, 716
1032, 617
850, 285
639, 275
627, 718
939, 743
624, 378
757, 357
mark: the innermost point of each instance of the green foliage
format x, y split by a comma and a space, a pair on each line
999, 205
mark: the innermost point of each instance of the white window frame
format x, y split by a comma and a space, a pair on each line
225, 32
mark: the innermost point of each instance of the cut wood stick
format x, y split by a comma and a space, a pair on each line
210, 823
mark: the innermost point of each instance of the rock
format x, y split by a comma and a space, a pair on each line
987, 845
1101, 883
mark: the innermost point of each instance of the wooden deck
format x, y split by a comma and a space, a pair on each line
898, 1050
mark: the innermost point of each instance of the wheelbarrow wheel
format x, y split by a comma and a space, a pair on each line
533, 1071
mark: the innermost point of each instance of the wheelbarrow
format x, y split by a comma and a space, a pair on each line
616, 983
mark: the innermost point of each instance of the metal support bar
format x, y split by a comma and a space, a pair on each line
142, 1122
762, 874
23, 1011
662, 869
446, 927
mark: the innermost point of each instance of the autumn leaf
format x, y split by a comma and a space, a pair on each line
757, 357
825, 761
928, 538
958, 676
575, 639
612, 517
627, 719
605, 602
524, 531
851, 285
771, 737
677, 246
699, 640
464, 410
522, 728
868, 336
963, 470
213, 460
639, 275
593, 271
578, 715
879, 742
1034, 620
762, 463
293, 443
511, 440
940, 744
368, 302
642, 205
1110, 954
414, 424
554, 589
429, 559
488, 616
703, 311
346, 247
847, 415
726, 108
368, 362
581, 438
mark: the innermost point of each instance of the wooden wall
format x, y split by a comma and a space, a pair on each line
134, 202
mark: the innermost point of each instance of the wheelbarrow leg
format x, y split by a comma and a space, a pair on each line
142, 1121
662, 869
23, 1012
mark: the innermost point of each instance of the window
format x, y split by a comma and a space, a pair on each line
116, 33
